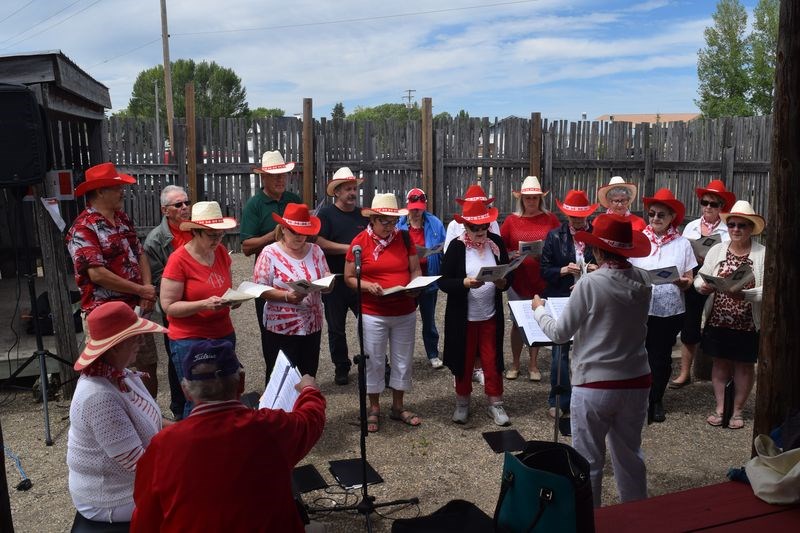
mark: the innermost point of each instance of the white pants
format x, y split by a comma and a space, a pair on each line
399, 333
619, 414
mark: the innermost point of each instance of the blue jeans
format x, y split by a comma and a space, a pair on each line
427, 312
566, 392
180, 351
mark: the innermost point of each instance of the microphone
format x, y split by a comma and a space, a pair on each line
357, 254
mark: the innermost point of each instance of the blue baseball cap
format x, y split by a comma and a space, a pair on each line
218, 353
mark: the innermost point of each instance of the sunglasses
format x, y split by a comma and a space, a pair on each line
475, 229
417, 198
178, 205
658, 214
740, 225
713, 205
387, 221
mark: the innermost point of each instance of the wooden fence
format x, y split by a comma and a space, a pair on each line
500, 153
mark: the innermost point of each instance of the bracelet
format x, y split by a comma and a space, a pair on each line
286, 296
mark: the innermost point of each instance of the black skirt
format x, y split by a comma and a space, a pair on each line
730, 344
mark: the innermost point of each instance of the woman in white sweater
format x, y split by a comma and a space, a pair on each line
112, 418
607, 314
732, 319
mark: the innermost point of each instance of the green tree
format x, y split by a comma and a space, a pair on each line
218, 90
338, 111
722, 65
264, 112
386, 111
764, 44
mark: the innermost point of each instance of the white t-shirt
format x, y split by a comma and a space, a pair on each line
456, 230
480, 301
668, 299
692, 230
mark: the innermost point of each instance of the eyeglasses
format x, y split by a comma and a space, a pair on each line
620, 200
476, 228
387, 221
214, 235
740, 225
713, 205
417, 198
658, 214
178, 205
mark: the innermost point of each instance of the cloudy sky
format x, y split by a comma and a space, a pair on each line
489, 57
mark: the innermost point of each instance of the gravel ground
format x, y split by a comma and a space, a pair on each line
435, 462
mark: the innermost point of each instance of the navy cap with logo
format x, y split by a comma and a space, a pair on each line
218, 353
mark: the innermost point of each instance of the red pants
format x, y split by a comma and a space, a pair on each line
481, 343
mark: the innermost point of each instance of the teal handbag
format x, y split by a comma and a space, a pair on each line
545, 487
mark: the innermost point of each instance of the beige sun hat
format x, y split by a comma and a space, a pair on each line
530, 185
384, 204
341, 176
273, 163
207, 215
743, 209
616, 181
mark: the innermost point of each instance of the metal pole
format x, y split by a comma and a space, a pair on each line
159, 144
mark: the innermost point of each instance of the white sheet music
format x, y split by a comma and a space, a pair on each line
280, 392
523, 315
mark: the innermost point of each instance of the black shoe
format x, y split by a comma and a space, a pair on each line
658, 413
342, 376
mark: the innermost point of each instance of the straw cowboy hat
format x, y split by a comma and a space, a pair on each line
616, 181
273, 163
416, 199
665, 196
298, 219
102, 175
530, 185
613, 233
207, 215
475, 193
743, 209
576, 204
717, 188
110, 324
476, 213
340, 177
384, 204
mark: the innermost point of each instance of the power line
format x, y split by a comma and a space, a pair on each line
62, 21
17, 11
40, 22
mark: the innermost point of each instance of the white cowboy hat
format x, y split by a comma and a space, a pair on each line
273, 163
384, 204
530, 185
616, 181
207, 215
743, 209
343, 175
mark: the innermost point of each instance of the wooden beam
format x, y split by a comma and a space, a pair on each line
191, 140
535, 147
777, 393
308, 153
427, 149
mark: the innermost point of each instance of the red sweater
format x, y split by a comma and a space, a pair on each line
226, 468
528, 278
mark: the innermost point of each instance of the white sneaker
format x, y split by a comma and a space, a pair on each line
499, 415
461, 413
436, 362
477, 376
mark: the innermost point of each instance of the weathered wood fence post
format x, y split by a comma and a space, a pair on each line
427, 150
191, 145
308, 153
535, 146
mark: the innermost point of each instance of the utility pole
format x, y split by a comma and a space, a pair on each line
159, 144
408, 97
167, 73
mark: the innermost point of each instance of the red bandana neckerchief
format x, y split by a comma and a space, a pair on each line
670, 236
580, 247
626, 215
708, 225
480, 246
101, 369
613, 264
381, 244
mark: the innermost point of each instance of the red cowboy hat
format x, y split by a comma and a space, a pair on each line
298, 219
717, 188
576, 204
475, 193
614, 234
102, 175
665, 196
476, 212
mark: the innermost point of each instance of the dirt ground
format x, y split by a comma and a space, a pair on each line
435, 462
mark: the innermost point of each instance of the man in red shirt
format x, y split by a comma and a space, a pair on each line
225, 467
159, 245
109, 260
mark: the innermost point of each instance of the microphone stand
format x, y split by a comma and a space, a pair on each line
367, 504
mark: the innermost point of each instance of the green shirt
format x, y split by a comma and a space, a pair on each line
257, 214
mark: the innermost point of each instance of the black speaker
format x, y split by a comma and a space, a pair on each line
23, 158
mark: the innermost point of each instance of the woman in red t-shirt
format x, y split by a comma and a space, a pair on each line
194, 280
388, 259
531, 222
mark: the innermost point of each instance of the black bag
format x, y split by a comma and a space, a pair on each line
45, 318
545, 487
456, 516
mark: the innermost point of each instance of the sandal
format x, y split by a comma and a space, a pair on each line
715, 419
512, 374
373, 421
405, 416
736, 422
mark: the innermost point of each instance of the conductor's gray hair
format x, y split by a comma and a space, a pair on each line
166, 191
